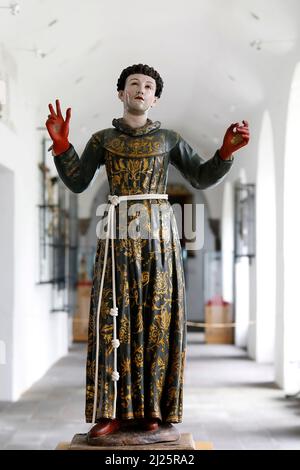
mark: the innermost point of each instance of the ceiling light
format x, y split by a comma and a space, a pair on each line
39, 53
256, 43
13, 7
52, 23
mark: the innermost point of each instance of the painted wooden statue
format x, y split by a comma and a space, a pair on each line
137, 327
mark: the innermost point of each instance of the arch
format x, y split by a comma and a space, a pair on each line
291, 237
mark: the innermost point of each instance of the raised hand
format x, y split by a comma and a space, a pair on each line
58, 128
235, 138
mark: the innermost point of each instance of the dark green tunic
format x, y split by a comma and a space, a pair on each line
149, 272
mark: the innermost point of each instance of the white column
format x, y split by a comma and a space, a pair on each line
227, 237
6, 282
291, 327
265, 246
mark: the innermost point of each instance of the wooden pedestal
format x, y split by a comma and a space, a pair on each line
186, 442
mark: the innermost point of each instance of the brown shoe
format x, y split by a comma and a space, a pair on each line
103, 427
151, 424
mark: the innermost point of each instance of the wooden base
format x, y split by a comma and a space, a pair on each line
186, 442
130, 434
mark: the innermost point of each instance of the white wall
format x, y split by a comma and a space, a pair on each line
35, 338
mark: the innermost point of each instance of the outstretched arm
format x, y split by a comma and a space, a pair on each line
202, 173
75, 172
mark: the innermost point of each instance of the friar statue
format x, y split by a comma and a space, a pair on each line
137, 325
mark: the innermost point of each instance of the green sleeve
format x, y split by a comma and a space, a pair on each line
199, 172
77, 173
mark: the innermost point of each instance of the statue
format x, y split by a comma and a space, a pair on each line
137, 326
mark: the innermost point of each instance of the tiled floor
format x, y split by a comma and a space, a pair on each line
229, 400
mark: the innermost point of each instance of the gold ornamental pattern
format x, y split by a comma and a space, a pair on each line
151, 305
136, 147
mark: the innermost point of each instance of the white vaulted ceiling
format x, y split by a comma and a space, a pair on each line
208, 53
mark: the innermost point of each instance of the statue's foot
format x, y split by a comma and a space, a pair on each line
151, 424
103, 427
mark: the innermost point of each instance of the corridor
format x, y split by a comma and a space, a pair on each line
229, 400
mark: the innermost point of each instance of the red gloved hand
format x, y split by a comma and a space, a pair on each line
235, 137
58, 128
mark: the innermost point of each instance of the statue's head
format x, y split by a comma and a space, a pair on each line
139, 88
144, 70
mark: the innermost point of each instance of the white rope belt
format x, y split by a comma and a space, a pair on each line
114, 201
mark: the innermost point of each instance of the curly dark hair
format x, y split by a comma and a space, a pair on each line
145, 70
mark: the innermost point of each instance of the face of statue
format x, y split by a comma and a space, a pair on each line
138, 95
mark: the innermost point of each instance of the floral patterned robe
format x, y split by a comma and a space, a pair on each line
149, 272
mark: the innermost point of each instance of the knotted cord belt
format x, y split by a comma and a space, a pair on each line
114, 201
